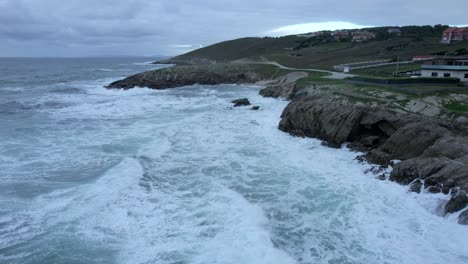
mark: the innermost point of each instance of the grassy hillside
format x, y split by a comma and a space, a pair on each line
242, 48
325, 52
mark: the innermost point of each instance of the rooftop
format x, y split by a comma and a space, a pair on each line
445, 67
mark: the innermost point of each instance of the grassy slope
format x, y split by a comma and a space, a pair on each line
321, 55
242, 48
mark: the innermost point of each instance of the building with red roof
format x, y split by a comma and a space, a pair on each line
455, 34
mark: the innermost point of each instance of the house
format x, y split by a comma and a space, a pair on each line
447, 67
394, 31
454, 34
360, 36
340, 34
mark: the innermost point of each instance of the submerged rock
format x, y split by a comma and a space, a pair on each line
241, 102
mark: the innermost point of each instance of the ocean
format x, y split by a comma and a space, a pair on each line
89, 175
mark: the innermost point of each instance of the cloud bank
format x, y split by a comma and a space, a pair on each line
169, 27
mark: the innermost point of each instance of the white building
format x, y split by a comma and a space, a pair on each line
447, 68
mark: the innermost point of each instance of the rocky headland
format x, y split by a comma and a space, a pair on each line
184, 75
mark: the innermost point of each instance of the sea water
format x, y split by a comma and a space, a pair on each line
89, 175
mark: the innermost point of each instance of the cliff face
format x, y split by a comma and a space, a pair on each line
432, 156
188, 75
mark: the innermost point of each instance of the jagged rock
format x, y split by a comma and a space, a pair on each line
450, 147
321, 118
330, 144
407, 171
441, 172
454, 174
412, 140
434, 189
376, 156
463, 218
370, 141
416, 186
456, 203
178, 76
255, 108
241, 102
365, 143
284, 86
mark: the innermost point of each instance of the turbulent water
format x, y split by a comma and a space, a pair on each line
89, 175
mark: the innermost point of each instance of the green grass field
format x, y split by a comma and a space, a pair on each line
325, 55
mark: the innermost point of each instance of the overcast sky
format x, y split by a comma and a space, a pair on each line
169, 27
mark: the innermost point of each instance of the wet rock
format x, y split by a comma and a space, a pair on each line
434, 189
381, 177
416, 186
365, 144
378, 157
463, 218
241, 102
320, 118
407, 171
255, 108
413, 139
330, 144
456, 203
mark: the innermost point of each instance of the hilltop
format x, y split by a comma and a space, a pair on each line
324, 49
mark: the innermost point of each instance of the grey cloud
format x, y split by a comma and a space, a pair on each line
141, 27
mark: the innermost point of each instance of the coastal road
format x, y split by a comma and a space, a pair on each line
333, 75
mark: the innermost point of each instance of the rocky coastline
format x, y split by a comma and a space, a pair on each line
185, 75
425, 154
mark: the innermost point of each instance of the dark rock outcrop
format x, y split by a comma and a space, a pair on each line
416, 186
255, 108
241, 102
457, 203
431, 155
178, 76
463, 218
284, 86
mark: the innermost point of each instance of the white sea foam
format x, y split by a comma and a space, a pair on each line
143, 63
192, 181
114, 70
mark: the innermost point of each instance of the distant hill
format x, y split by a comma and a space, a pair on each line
325, 51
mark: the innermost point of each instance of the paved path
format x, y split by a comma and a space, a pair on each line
334, 75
